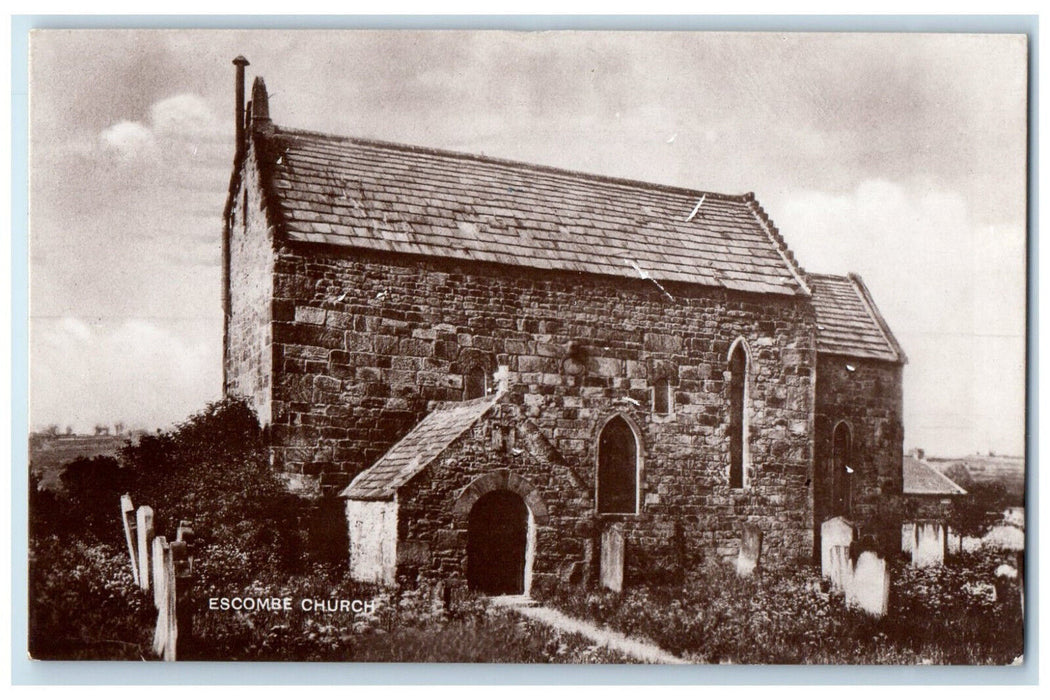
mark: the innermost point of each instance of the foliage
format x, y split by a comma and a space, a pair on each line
943, 615
213, 469
407, 626
85, 604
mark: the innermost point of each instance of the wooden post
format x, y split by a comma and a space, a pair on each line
130, 533
144, 517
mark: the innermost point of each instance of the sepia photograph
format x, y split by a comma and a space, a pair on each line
552, 347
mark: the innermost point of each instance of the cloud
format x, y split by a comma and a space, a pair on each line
952, 291
146, 373
127, 138
183, 115
175, 124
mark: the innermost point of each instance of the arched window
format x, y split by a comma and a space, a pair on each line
738, 370
618, 468
475, 383
842, 470
662, 397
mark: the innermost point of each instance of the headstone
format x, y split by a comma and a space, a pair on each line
928, 545
836, 532
869, 585
127, 516
144, 519
182, 566
166, 633
750, 550
907, 537
159, 544
612, 557
953, 541
185, 533
840, 567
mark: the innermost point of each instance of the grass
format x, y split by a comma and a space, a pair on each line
945, 615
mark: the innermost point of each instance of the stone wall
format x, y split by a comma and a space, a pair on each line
363, 342
869, 399
248, 361
432, 517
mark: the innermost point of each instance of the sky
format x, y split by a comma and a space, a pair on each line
900, 157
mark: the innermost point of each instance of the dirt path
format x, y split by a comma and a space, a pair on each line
643, 651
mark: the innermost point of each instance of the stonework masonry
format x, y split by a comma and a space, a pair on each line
249, 330
867, 396
363, 342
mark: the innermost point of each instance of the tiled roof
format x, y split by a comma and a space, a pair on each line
848, 322
422, 445
389, 197
921, 478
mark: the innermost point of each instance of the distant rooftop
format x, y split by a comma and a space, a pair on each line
922, 479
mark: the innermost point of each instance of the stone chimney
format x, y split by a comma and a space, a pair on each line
238, 113
260, 102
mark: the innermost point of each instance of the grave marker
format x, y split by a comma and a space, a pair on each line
750, 550
836, 532
869, 585
144, 520
130, 533
612, 557
928, 545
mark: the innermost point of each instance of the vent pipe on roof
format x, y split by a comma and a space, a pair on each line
238, 115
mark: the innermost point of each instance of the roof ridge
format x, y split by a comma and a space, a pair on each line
627, 182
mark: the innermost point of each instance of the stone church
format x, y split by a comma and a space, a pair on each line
501, 367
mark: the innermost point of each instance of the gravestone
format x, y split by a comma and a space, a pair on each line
869, 585
953, 541
159, 544
144, 520
928, 546
840, 567
166, 633
836, 532
127, 516
612, 557
750, 550
907, 537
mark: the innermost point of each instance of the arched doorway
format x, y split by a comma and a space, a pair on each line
497, 539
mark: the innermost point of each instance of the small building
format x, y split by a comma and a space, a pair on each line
929, 498
499, 365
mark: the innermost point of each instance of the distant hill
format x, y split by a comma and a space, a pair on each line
49, 454
1009, 472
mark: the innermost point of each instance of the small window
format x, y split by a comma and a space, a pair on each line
738, 417
475, 383
663, 397
617, 468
